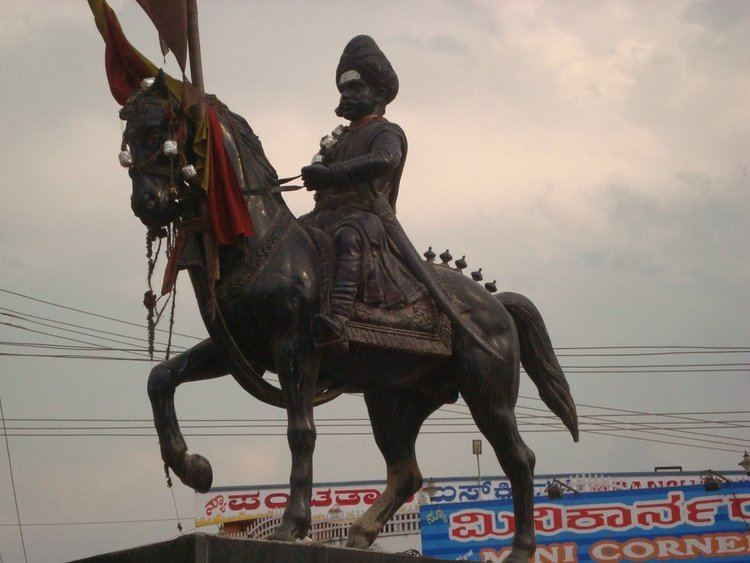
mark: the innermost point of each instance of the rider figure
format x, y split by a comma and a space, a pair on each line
357, 166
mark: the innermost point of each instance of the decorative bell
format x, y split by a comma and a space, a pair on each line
477, 275
327, 142
169, 148
317, 159
189, 172
446, 257
491, 286
461, 263
429, 254
146, 83
125, 158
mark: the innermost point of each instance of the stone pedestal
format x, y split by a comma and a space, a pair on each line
204, 548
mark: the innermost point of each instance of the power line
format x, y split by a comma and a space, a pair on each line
600, 347
67, 347
90, 313
592, 371
465, 416
74, 357
649, 428
13, 482
464, 421
64, 330
652, 347
620, 366
26, 316
623, 372
673, 353
78, 340
92, 523
645, 428
680, 417
283, 434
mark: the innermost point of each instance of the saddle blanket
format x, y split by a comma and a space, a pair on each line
419, 327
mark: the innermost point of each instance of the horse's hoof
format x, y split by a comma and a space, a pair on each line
278, 535
198, 473
358, 538
357, 543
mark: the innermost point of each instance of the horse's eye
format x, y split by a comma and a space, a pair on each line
153, 136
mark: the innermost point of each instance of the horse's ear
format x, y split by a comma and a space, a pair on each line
160, 87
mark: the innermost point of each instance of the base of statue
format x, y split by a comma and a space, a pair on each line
202, 548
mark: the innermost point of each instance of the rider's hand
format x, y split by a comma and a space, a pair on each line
316, 176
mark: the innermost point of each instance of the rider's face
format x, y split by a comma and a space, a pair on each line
358, 99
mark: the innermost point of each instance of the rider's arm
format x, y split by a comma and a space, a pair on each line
384, 157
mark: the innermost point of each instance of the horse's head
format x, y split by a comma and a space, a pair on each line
154, 150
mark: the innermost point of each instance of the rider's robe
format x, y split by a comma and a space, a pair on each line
366, 163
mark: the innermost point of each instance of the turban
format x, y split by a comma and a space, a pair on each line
363, 55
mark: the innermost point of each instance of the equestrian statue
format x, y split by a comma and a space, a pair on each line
335, 301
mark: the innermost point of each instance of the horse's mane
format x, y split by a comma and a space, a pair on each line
259, 172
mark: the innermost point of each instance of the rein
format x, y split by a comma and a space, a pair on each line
278, 187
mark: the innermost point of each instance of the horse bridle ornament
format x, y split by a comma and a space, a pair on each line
173, 148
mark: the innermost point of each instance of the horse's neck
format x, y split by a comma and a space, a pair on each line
265, 210
268, 214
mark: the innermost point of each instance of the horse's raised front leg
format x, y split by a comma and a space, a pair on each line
297, 366
396, 417
200, 362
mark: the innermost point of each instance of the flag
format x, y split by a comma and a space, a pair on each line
170, 19
126, 67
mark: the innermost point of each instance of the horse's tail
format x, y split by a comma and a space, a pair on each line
539, 360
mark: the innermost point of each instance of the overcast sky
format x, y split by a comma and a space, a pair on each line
591, 155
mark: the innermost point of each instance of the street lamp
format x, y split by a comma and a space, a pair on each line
476, 449
745, 463
429, 491
554, 489
712, 480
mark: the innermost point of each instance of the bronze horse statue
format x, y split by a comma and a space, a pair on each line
259, 314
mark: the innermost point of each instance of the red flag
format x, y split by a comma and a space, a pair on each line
170, 19
227, 208
125, 66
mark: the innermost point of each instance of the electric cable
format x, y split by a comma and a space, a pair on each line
83, 312
13, 482
23, 315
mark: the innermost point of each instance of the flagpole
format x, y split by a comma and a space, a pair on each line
194, 49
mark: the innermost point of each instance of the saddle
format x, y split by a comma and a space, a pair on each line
418, 327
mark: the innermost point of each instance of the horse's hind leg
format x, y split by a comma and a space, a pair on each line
396, 416
490, 394
200, 362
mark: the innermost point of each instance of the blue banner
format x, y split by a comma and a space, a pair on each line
663, 524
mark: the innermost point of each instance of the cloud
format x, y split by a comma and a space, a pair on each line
721, 15
438, 43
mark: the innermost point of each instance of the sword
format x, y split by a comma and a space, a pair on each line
414, 262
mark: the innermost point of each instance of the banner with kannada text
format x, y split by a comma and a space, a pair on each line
659, 524
232, 504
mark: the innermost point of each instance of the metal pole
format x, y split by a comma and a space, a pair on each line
194, 46
479, 473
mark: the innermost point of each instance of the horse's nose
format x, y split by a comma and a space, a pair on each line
148, 200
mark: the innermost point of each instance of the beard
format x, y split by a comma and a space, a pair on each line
352, 109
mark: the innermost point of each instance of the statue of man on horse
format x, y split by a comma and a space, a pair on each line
424, 334
355, 166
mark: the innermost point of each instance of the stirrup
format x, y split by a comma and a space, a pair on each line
329, 331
